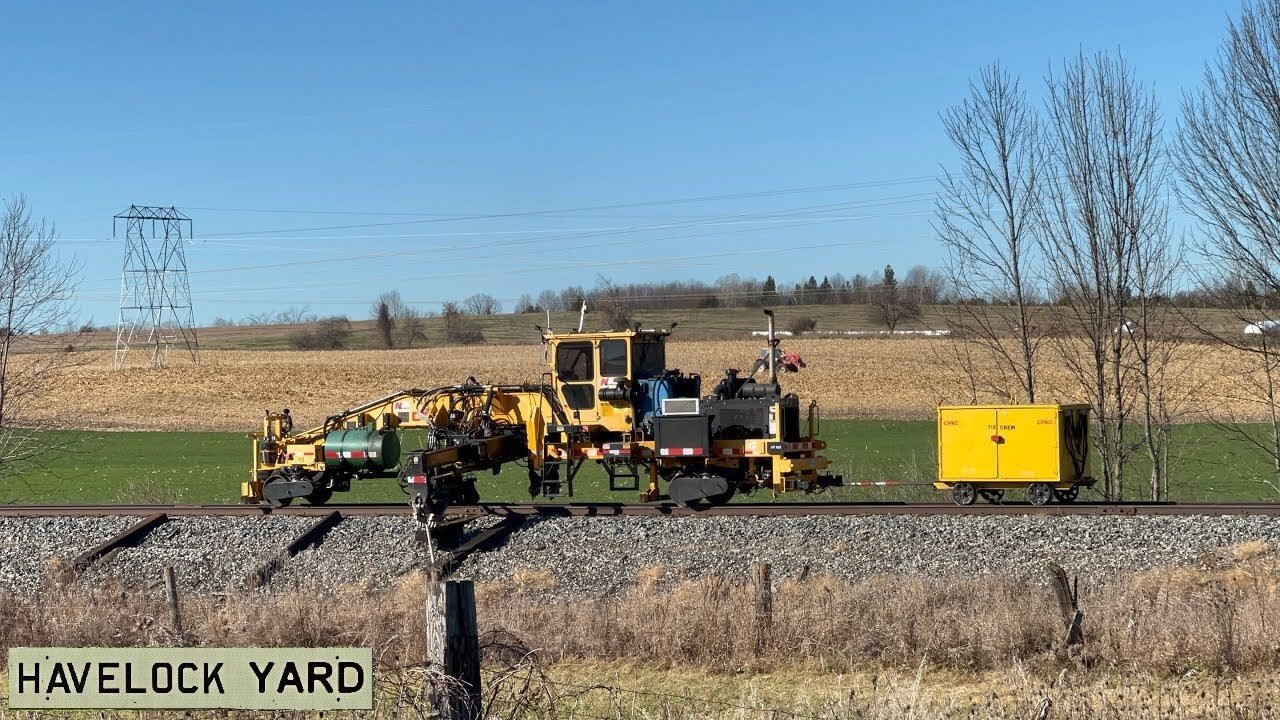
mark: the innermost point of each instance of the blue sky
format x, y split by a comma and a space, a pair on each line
401, 117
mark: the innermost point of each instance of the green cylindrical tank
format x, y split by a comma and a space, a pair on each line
361, 449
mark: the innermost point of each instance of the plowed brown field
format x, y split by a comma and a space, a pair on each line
888, 378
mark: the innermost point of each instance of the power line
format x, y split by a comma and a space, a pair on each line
711, 259
787, 218
589, 208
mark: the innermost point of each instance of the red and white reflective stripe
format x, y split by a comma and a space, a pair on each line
618, 450
415, 479
733, 451
674, 452
349, 455
882, 483
799, 446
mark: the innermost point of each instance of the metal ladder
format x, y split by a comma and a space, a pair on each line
556, 483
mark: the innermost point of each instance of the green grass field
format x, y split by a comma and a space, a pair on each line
195, 467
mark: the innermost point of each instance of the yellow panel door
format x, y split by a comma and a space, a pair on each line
965, 448
1029, 443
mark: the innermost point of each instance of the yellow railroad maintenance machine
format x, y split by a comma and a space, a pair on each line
608, 397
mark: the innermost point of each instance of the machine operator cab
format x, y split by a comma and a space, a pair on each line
611, 382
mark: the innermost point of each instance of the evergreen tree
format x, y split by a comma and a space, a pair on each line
769, 292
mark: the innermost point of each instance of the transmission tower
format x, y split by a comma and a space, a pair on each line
155, 294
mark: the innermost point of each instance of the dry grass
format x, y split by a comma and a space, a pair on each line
1166, 622
888, 378
1169, 643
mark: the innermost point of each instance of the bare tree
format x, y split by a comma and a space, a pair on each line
1159, 330
411, 327
986, 216
1104, 203
888, 305
549, 301
482, 304
459, 328
610, 301
294, 315
36, 289
1228, 150
1227, 155
260, 318
525, 304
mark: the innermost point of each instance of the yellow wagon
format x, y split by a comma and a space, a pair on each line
984, 450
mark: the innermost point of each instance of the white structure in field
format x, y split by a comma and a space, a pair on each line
1262, 326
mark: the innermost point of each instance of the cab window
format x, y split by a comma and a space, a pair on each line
648, 359
574, 363
613, 358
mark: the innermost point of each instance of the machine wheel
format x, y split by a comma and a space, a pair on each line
1039, 493
963, 493
319, 497
703, 490
277, 477
1068, 495
992, 496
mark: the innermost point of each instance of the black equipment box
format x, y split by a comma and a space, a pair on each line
682, 432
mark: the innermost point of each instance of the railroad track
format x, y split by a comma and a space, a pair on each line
655, 509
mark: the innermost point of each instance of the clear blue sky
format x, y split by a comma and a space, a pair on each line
384, 110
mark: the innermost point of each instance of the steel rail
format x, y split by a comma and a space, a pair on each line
658, 509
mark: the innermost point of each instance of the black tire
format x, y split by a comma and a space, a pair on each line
963, 494
1039, 493
992, 496
1068, 495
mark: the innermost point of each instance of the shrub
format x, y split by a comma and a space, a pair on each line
802, 325
331, 333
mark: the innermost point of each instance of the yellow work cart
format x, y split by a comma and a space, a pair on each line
984, 450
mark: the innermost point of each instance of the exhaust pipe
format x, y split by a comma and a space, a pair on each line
773, 368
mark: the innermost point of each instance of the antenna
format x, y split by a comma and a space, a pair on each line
154, 290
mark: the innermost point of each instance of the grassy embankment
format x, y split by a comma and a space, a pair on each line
207, 467
701, 323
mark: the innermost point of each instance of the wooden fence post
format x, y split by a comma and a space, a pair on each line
761, 577
453, 648
171, 596
1068, 603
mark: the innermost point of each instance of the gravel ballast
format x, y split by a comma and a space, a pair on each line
28, 547
208, 554
575, 556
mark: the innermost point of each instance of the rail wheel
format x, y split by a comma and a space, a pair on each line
1068, 495
963, 493
276, 477
992, 496
1039, 493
